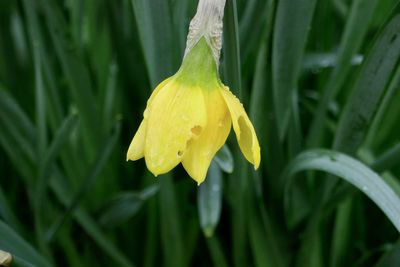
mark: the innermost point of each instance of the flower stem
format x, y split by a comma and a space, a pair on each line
207, 23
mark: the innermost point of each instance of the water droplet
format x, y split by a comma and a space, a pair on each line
215, 188
325, 63
185, 118
365, 188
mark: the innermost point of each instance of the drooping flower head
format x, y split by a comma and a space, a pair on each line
189, 115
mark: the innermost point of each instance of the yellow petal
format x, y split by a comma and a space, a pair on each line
244, 129
136, 148
155, 92
202, 149
176, 114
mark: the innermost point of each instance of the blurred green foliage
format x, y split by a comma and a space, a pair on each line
74, 79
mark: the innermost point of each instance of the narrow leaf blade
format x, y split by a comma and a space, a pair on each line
353, 172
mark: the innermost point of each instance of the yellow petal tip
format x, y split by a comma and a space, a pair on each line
256, 166
153, 172
199, 181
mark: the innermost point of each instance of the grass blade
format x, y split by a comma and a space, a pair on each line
390, 258
17, 135
6, 211
171, 234
14, 113
40, 101
77, 75
263, 238
388, 159
217, 254
354, 33
360, 109
393, 89
209, 198
93, 173
154, 23
352, 171
231, 49
180, 19
46, 165
87, 223
233, 74
369, 89
125, 205
251, 27
342, 234
108, 107
224, 159
292, 24
13, 243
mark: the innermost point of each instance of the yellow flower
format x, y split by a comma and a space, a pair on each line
188, 118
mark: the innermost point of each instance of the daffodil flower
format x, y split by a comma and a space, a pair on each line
189, 115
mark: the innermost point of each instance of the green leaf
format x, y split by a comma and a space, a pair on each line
231, 49
341, 244
93, 173
22, 263
11, 242
17, 123
351, 40
21, 124
391, 258
170, 224
224, 159
251, 27
40, 98
45, 169
60, 140
17, 136
108, 106
77, 75
353, 172
87, 223
292, 24
263, 240
180, 8
6, 211
209, 198
318, 61
362, 106
153, 19
382, 113
125, 205
216, 251
238, 183
388, 159
369, 89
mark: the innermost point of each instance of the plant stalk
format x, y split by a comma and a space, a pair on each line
207, 23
